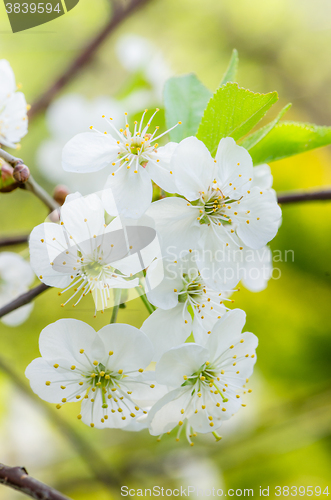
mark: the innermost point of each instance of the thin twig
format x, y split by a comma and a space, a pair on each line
12, 160
32, 186
85, 451
6, 241
300, 196
23, 299
18, 479
120, 14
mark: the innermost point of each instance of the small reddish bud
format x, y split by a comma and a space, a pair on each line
21, 173
60, 194
7, 181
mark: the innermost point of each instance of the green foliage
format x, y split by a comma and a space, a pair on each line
231, 71
232, 111
257, 136
288, 139
185, 99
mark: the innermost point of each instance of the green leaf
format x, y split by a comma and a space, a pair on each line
185, 99
232, 112
231, 71
257, 136
288, 139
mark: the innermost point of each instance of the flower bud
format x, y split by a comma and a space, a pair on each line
7, 181
21, 173
60, 194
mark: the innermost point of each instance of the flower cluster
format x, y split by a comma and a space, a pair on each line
219, 210
184, 254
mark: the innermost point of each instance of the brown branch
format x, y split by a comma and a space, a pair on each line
30, 184
120, 14
6, 241
18, 479
300, 196
23, 299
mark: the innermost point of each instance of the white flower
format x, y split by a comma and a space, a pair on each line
85, 254
16, 276
65, 117
219, 211
102, 369
208, 381
13, 108
132, 158
181, 292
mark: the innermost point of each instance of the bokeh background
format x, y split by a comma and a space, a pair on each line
282, 437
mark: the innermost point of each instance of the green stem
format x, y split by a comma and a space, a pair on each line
117, 298
150, 308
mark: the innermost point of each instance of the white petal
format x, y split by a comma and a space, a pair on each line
193, 167
142, 393
216, 259
257, 268
7, 78
262, 177
234, 168
131, 191
167, 329
131, 348
160, 167
223, 332
179, 361
92, 412
163, 277
140, 244
89, 152
47, 242
14, 119
39, 372
83, 218
177, 225
263, 218
166, 413
62, 341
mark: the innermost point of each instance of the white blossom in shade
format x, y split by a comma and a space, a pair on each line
104, 370
207, 381
133, 158
218, 212
13, 108
138, 55
16, 276
67, 116
85, 255
185, 304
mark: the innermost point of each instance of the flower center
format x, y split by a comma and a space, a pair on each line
105, 380
92, 269
213, 207
192, 289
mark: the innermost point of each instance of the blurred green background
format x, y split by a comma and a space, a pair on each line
282, 437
